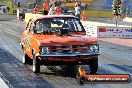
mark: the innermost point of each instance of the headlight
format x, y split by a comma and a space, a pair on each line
44, 50
94, 48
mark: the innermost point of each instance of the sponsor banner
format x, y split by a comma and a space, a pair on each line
7, 7
91, 30
109, 78
114, 32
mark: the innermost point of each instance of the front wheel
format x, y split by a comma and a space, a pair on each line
36, 65
93, 65
26, 59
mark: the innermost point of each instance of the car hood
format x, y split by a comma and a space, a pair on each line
65, 40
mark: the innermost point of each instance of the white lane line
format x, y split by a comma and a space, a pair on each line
116, 43
3, 84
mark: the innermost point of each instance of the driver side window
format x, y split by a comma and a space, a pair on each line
38, 26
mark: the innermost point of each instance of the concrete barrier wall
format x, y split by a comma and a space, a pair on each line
99, 14
92, 29
29, 16
102, 14
8, 4
127, 19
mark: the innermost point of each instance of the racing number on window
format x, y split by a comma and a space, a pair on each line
27, 39
27, 43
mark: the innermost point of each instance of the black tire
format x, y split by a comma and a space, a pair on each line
36, 65
74, 71
81, 80
64, 67
26, 59
93, 65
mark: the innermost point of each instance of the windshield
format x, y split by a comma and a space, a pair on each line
54, 24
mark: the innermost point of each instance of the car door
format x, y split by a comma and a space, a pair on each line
28, 35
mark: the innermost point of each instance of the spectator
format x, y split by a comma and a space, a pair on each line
51, 11
86, 6
77, 11
56, 3
22, 13
51, 2
45, 7
59, 3
128, 10
18, 4
36, 9
57, 10
35, 2
83, 6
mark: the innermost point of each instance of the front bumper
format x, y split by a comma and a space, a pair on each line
68, 59
69, 55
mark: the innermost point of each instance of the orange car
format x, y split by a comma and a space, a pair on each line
58, 40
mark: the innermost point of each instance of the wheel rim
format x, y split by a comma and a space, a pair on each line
23, 59
34, 68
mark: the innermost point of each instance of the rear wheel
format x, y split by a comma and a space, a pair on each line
36, 65
26, 59
74, 71
93, 65
81, 80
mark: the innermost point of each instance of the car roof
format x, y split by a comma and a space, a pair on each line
51, 16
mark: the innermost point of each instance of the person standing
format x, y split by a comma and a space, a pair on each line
59, 3
51, 2
22, 13
56, 3
57, 10
35, 2
51, 11
77, 11
128, 11
45, 7
36, 9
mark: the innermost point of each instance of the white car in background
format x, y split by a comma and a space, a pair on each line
4, 9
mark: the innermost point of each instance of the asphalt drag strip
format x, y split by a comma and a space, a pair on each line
18, 75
